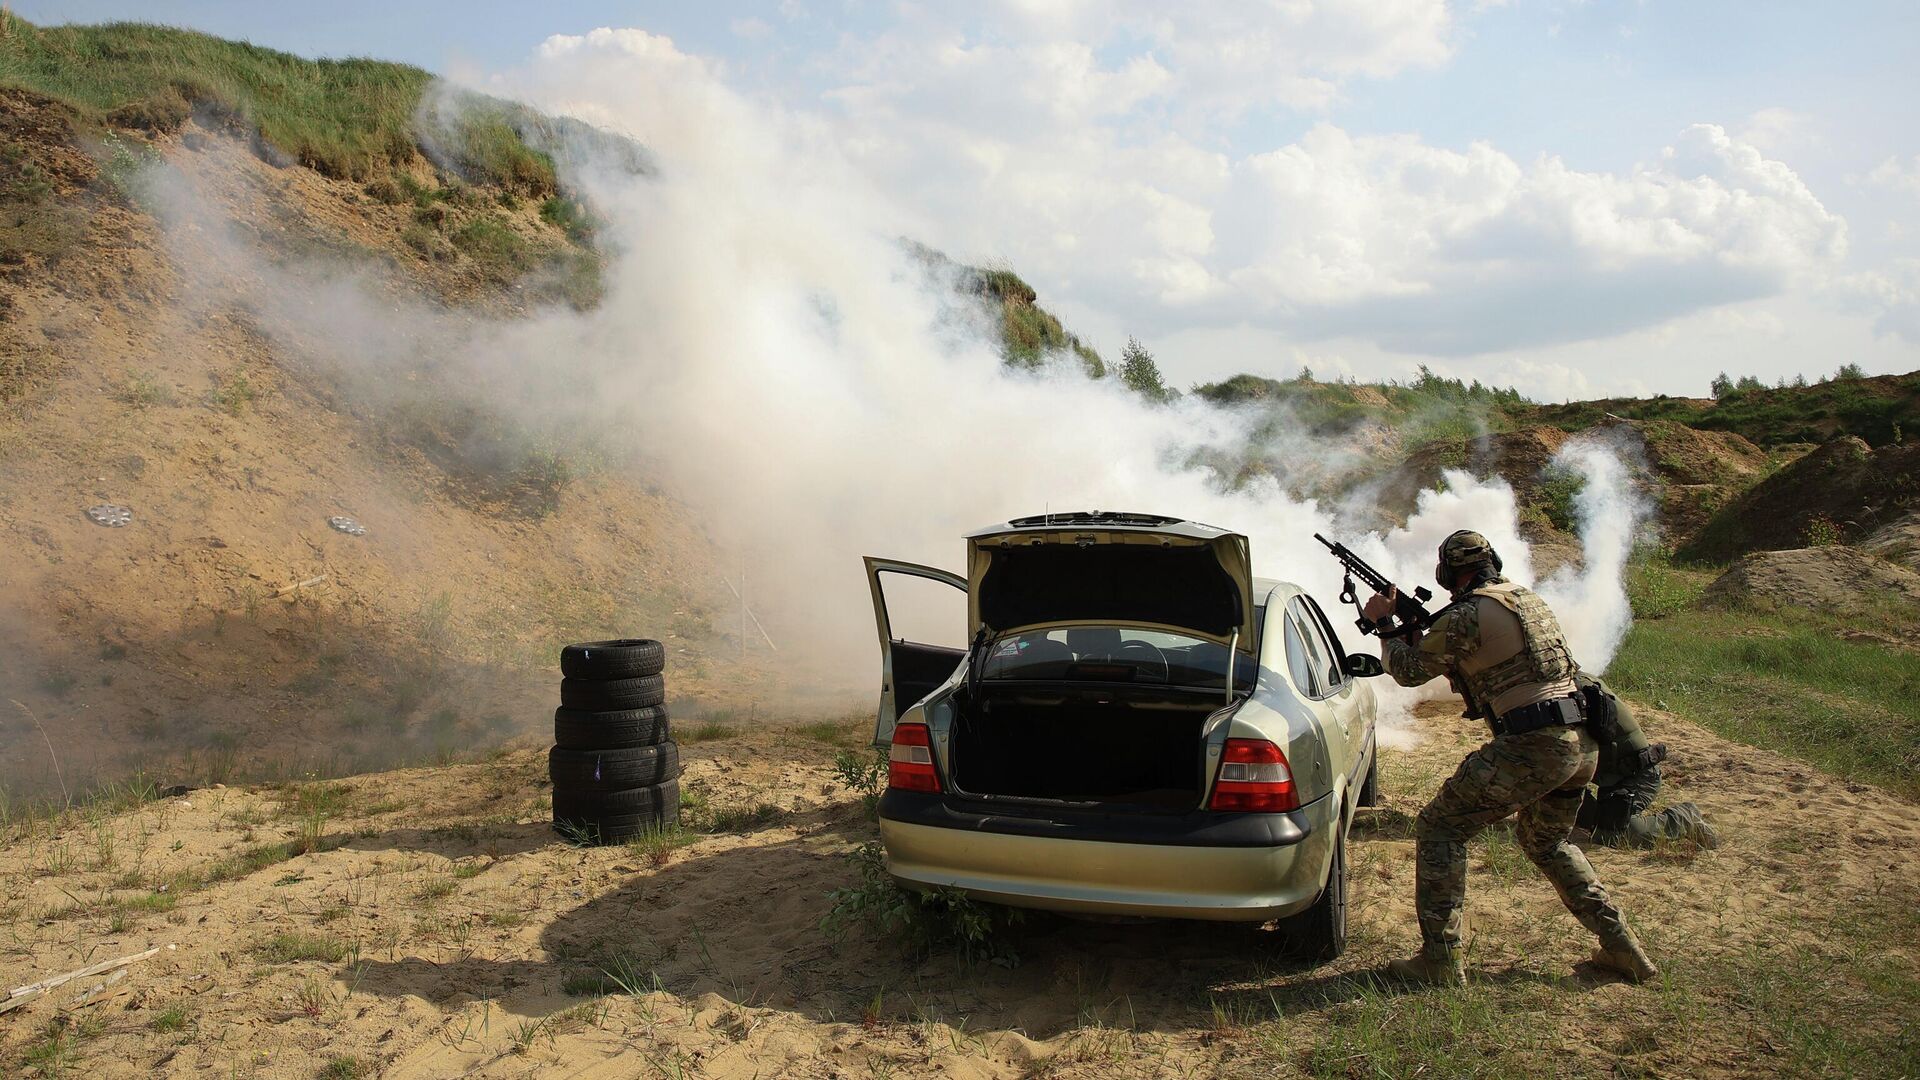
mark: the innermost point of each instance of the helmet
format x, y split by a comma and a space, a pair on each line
1464, 550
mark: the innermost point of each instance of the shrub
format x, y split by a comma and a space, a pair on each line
938, 920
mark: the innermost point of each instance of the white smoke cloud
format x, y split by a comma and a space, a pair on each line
768, 348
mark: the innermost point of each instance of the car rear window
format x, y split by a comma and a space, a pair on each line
1115, 654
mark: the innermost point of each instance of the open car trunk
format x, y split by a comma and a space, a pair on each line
1137, 747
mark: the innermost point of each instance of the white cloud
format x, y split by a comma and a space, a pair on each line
1896, 175
749, 27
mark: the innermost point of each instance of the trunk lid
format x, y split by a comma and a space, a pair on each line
1108, 569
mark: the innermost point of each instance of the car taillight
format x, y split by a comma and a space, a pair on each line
910, 762
1254, 777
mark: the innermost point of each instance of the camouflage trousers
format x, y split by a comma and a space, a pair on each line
1541, 776
1618, 816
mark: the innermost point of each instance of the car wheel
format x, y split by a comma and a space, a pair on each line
1370, 787
1320, 932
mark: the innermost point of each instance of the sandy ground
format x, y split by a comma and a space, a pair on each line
457, 919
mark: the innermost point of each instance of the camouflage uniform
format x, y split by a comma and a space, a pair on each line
1502, 647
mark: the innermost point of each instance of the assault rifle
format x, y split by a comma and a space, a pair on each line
1409, 610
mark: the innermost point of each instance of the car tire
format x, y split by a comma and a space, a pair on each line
578, 729
1319, 933
624, 658
612, 695
1370, 787
661, 802
597, 772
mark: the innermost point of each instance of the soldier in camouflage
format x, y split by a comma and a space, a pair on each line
1503, 649
1628, 780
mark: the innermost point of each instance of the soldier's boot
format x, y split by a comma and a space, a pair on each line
1684, 822
1433, 965
1620, 952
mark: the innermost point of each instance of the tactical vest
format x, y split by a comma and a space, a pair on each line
1543, 656
1624, 748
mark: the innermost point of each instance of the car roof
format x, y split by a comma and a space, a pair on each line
1112, 520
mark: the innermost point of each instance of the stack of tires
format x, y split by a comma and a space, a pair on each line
615, 768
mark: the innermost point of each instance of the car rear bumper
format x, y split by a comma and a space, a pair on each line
1241, 867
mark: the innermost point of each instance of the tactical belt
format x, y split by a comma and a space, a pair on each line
1559, 712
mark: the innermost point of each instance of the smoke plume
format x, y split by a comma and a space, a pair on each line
770, 348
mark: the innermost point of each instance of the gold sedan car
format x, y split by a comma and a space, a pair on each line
1138, 727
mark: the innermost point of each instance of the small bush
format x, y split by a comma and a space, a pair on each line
233, 393
863, 774
938, 920
1822, 531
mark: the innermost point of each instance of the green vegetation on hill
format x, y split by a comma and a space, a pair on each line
353, 118
1881, 410
1030, 334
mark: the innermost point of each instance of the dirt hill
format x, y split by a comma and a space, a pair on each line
228, 626
1840, 492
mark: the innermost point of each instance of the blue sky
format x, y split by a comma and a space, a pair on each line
1611, 195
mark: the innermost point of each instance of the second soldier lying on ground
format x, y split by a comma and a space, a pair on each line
1503, 649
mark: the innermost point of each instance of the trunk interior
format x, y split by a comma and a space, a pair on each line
1122, 746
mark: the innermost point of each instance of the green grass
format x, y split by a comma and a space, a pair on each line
289, 948
1786, 682
351, 118
174, 1017
343, 1067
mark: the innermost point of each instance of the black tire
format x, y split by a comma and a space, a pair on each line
576, 772
612, 695
612, 829
577, 729
661, 801
625, 658
1370, 787
1319, 933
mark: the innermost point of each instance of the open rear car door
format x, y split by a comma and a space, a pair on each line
909, 670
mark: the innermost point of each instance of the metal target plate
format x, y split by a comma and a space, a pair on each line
113, 517
347, 525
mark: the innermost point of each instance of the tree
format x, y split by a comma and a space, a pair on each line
1141, 374
1720, 385
1849, 371
1305, 376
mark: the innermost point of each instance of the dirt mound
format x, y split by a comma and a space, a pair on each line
1835, 579
228, 628
1898, 541
1694, 472
1840, 492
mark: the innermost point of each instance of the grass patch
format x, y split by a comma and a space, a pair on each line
743, 818
709, 729
293, 947
839, 733
352, 118
174, 1017
1786, 682
657, 844
344, 1067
